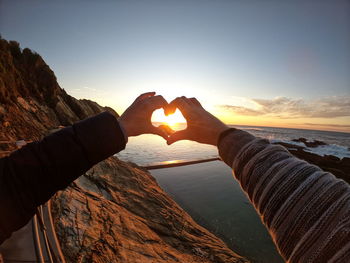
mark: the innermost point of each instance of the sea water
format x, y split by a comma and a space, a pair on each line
149, 149
210, 194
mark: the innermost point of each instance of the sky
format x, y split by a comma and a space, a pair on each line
264, 63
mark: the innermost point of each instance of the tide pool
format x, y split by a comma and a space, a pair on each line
214, 199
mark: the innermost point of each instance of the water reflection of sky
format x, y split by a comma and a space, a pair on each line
148, 149
210, 194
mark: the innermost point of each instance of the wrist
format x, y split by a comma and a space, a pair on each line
224, 133
217, 129
124, 128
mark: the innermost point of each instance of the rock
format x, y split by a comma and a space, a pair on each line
330, 163
290, 146
31, 101
24, 104
311, 144
345, 162
117, 212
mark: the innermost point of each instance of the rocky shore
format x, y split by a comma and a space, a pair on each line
338, 167
116, 212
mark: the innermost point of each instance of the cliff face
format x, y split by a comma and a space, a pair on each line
116, 212
31, 101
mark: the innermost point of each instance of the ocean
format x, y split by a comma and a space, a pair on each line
149, 149
210, 194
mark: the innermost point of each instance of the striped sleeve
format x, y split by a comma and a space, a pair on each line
306, 210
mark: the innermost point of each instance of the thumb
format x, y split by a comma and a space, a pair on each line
159, 131
166, 128
177, 136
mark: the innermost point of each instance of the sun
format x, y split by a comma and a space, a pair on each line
172, 120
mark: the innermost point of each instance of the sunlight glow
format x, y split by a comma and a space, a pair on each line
172, 120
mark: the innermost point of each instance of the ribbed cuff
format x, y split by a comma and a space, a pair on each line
224, 133
230, 143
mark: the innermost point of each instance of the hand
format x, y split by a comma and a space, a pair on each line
136, 120
202, 126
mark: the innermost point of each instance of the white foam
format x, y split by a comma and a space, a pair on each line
289, 142
331, 149
321, 150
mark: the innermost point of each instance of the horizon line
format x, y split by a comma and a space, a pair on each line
262, 126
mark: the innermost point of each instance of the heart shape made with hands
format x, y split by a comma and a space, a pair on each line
171, 123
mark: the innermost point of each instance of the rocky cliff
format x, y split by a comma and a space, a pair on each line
116, 212
31, 101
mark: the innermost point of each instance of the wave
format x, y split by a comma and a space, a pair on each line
331, 149
288, 141
321, 150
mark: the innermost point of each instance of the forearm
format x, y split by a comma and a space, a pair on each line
306, 210
31, 175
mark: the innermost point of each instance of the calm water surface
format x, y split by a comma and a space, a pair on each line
210, 194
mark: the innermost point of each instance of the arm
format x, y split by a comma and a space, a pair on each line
306, 210
31, 175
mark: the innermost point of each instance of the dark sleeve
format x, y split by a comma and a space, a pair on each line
31, 175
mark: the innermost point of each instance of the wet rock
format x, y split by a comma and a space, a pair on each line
338, 167
118, 213
311, 144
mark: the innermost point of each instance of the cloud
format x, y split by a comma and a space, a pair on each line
283, 107
241, 110
328, 125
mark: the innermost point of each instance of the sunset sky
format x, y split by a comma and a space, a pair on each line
265, 63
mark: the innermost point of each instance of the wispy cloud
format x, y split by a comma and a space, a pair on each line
241, 110
283, 107
328, 125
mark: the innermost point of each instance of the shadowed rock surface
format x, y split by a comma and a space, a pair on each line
117, 212
311, 144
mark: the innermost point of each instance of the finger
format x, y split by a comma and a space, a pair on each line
156, 102
182, 103
166, 128
169, 109
195, 102
177, 136
145, 96
158, 131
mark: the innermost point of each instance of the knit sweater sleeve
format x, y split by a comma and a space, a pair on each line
306, 210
